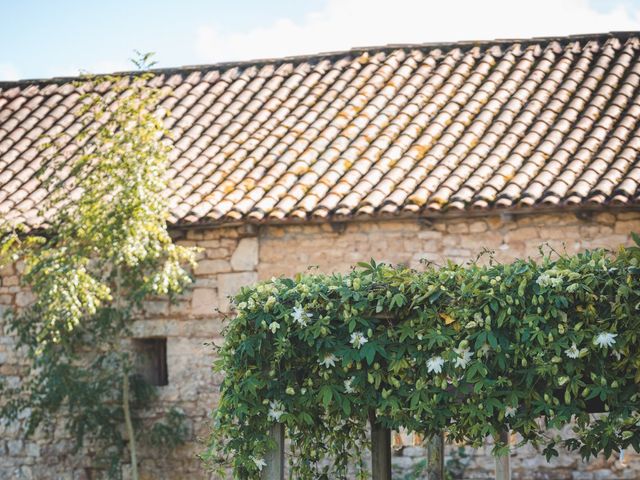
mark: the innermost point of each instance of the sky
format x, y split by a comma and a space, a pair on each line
48, 38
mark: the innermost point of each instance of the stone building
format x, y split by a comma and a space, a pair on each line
399, 153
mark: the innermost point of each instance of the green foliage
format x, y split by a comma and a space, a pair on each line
418, 471
170, 432
105, 249
456, 465
466, 350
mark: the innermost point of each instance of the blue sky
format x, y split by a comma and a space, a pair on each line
45, 38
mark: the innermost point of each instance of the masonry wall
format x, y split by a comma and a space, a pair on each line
232, 257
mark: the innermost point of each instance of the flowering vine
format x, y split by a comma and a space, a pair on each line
468, 350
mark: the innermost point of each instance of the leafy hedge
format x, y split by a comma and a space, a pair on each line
468, 350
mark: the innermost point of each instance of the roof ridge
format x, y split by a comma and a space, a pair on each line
332, 54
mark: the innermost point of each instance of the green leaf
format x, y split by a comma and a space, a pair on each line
369, 352
326, 394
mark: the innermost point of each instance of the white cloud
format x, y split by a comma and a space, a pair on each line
8, 72
343, 24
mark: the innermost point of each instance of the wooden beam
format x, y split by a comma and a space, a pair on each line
380, 450
503, 463
275, 457
435, 457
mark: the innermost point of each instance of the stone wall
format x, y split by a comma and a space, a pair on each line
226, 261
236, 256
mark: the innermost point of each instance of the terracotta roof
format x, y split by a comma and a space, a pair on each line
391, 130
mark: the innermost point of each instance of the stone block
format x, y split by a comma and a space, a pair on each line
222, 253
629, 216
458, 227
494, 222
477, 227
402, 463
24, 298
10, 281
591, 230
229, 284
245, 256
578, 475
203, 328
193, 234
215, 233
522, 233
605, 218
156, 307
626, 227
7, 270
212, 267
206, 244
457, 252
604, 474
15, 447
429, 235
414, 452
156, 328
452, 240
33, 449
204, 301
205, 282
440, 226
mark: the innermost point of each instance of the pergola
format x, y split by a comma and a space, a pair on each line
457, 352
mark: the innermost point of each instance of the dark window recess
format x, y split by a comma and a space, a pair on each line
152, 360
94, 473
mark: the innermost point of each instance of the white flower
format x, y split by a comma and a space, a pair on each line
260, 463
276, 410
328, 360
340, 424
543, 280
271, 301
464, 357
572, 352
358, 339
546, 280
348, 385
273, 326
510, 412
605, 339
484, 350
435, 364
300, 316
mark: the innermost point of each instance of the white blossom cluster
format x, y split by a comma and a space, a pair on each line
462, 358
549, 279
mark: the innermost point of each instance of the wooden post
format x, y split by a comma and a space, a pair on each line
435, 457
503, 465
380, 450
275, 457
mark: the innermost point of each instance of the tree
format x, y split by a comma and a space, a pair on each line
103, 251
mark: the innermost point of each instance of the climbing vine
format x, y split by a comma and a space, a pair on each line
468, 350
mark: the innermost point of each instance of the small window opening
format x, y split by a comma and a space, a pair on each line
94, 473
152, 360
